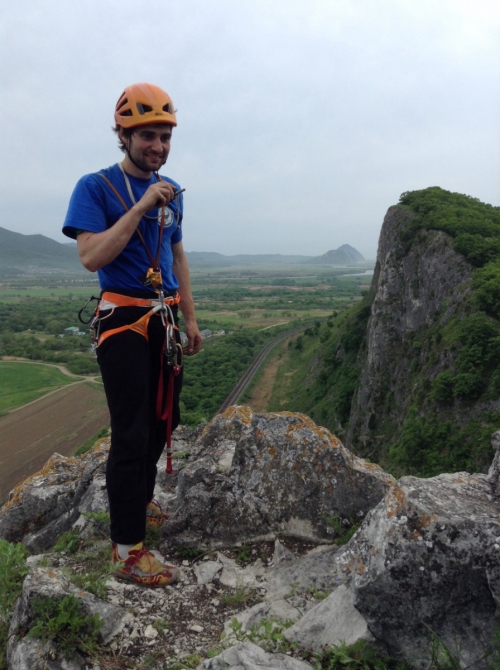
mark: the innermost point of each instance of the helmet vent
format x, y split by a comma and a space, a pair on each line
143, 108
168, 108
121, 102
126, 112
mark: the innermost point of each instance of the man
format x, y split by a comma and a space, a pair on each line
127, 222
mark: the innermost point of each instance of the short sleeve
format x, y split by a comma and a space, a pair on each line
87, 208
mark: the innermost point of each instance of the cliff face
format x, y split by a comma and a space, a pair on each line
420, 295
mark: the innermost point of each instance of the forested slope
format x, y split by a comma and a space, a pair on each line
410, 377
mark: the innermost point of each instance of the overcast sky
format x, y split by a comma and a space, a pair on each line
299, 121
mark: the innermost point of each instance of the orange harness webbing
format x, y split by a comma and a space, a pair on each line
141, 325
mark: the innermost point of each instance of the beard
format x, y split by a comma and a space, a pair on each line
141, 162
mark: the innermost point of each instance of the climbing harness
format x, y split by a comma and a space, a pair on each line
171, 354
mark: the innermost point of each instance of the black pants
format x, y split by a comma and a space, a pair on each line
130, 368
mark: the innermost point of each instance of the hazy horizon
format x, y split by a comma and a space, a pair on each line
68, 242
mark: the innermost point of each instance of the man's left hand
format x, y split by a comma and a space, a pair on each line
194, 341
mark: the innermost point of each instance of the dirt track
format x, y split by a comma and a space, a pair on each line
58, 422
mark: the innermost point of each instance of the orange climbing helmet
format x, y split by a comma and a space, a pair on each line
140, 104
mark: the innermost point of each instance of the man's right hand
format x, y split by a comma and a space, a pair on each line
157, 195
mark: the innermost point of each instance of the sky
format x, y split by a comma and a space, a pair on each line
300, 122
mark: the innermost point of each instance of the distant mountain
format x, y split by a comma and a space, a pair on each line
31, 253
344, 255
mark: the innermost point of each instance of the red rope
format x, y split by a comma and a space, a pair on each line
165, 410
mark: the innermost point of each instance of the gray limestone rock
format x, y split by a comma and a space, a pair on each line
235, 577
331, 622
45, 505
247, 656
494, 471
52, 583
317, 570
426, 563
33, 654
260, 475
206, 571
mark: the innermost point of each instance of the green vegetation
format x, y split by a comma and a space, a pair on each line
187, 553
268, 634
359, 656
439, 439
240, 595
325, 396
88, 444
69, 542
344, 528
242, 554
12, 572
31, 327
94, 567
21, 383
65, 623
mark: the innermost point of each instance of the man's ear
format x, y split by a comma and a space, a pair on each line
124, 137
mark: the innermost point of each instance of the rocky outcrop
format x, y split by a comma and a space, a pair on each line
425, 566
260, 475
423, 570
49, 502
414, 286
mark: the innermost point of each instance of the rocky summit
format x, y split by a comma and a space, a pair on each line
289, 544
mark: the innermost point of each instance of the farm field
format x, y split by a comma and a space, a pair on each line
60, 423
21, 383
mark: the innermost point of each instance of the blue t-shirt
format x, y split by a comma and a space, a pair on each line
95, 208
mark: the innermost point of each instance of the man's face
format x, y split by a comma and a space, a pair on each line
149, 146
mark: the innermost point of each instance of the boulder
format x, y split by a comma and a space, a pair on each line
333, 621
259, 475
46, 504
52, 583
33, 654
248, 656
424, 568
316, 570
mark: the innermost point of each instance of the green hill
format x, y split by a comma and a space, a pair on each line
411, 376
32, 253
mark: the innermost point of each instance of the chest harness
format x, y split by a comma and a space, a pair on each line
171, 353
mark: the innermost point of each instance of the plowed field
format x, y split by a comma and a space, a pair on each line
59, 422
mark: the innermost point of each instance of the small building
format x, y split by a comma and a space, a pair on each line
205, 333
220, 332
72, 330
